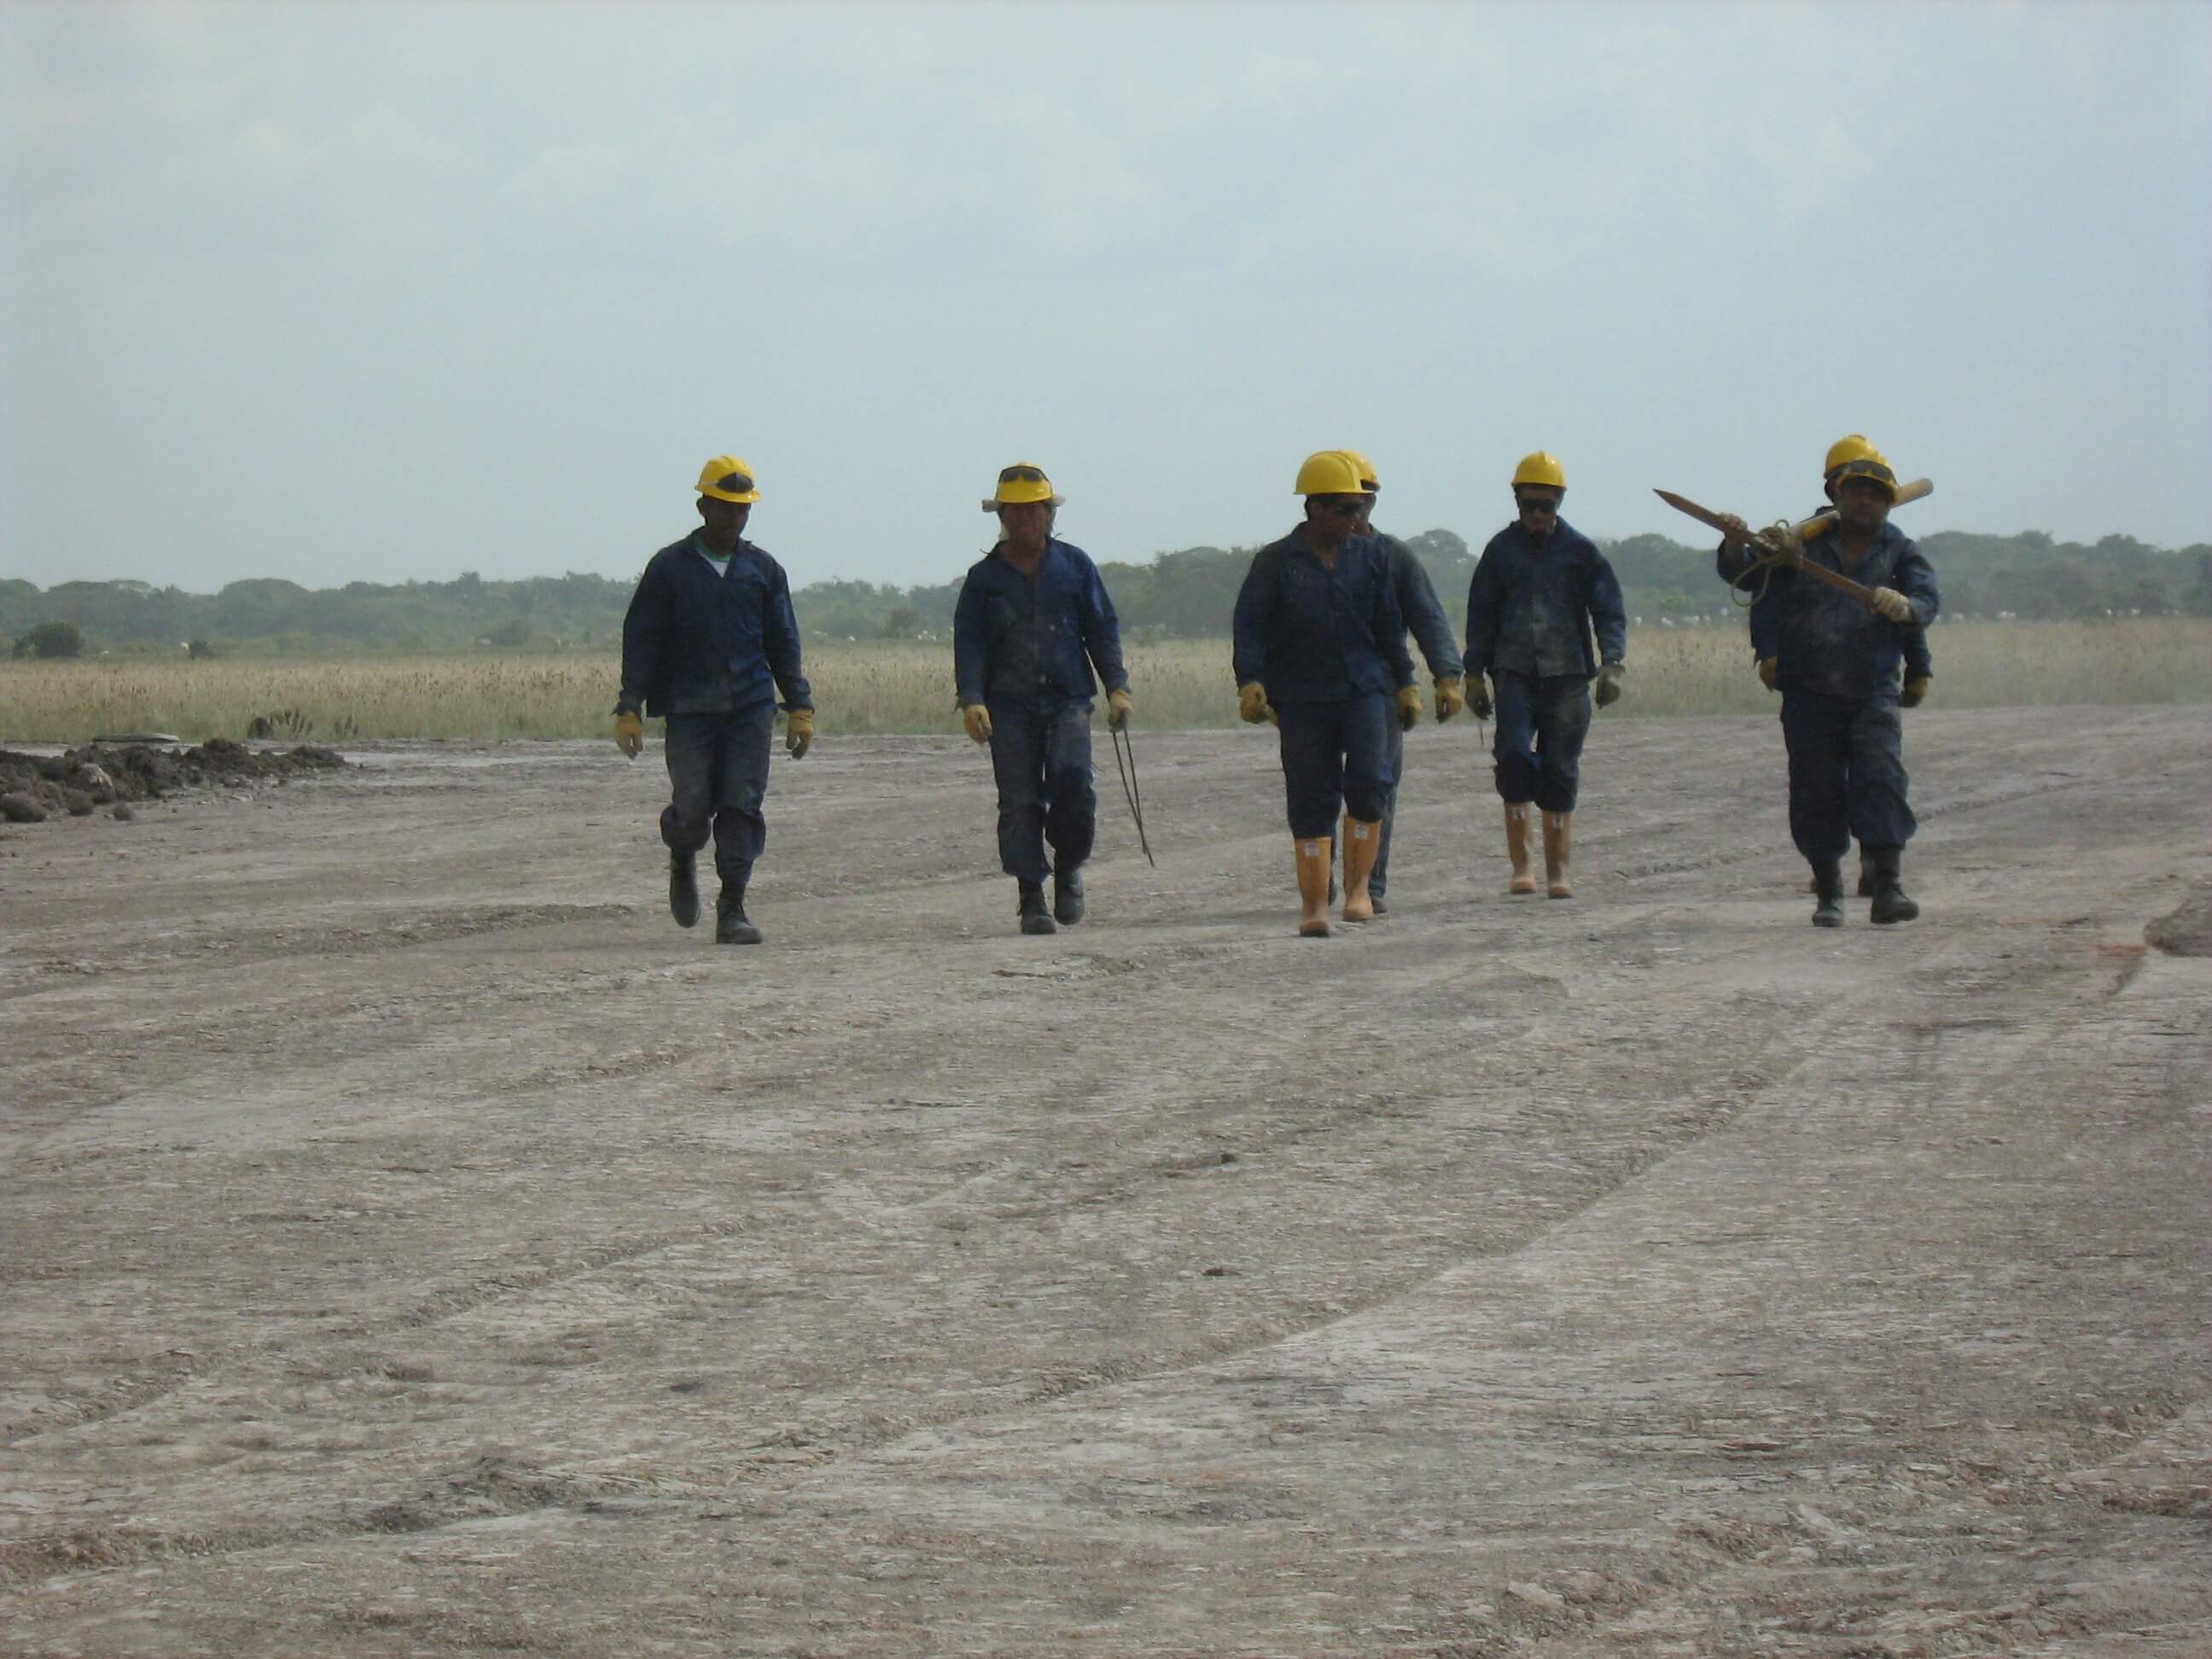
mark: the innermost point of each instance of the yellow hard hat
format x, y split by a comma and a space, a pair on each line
1541, 467
1328, 472
1019, 484
1873, 464
728, 478
1851, 447
1368, 480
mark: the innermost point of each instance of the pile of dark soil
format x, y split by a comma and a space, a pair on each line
33, 788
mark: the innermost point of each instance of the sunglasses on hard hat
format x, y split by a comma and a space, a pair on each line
1021, 475
736, 483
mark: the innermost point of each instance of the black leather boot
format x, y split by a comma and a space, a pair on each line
1068, 897
1890, 903
731, 927
1035, 919
684, 888
1828, 883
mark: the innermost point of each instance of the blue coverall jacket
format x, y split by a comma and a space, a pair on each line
1531, 605
1424, 614
1034, 642
1310, 634
702, 640
1832, 644
1733, 566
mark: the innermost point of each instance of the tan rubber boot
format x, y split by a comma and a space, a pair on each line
1517, 814
1362, 841
1556, 836
1314, 855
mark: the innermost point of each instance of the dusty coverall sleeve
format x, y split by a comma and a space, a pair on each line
1482, 615
1391, 621
779, 638
1915, 578
1608, 611
970, 645
1247, 626
1102, 632
645, 633
1766, 616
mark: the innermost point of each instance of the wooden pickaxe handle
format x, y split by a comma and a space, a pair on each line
1818, 525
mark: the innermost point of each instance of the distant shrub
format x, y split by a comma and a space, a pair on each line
51, 641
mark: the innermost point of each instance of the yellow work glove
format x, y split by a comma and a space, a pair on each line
630, 732
977, 720
1608, 684
798, 732
1252, 704
1768, 667
1891, 605
1478, 696
1449, 699
1118, 704
1915, 692
1409, 705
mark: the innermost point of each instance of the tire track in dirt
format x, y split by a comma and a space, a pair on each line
850, 1437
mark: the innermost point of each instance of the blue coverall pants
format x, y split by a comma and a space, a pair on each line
1541, 724
1380, 879
1846, 773
1336, 758
1041, 759
718, 764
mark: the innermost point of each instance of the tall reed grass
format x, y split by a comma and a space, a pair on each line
878, 687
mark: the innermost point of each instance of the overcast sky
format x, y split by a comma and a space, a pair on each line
372, 292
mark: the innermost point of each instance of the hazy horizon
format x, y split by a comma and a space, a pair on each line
335, 292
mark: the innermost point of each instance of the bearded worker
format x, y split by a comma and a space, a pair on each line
1034, 636
1320, 648
1539, 591
710, 641
1735, 562
1835, 659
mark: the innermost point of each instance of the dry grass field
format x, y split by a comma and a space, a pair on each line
903, 688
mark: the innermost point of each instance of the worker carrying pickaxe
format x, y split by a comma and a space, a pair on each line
1837, 600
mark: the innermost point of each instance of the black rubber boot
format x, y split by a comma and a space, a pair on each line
1866, 876
1035, 919
1068, 897
1828, 883
1890, 903
731, 927
684, 888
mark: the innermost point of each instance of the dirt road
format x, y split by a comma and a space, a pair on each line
411, 1242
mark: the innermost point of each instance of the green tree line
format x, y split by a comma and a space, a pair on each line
1188, 593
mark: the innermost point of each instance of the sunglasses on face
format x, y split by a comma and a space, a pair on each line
1538, 503
1343, 509
1021, 475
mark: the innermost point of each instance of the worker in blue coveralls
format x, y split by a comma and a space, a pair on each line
1835, 660
1735, 562
1432, 630
1320, 649
710, 641
1034, 636
1538, 590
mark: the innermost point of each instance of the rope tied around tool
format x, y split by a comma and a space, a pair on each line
1779, 547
